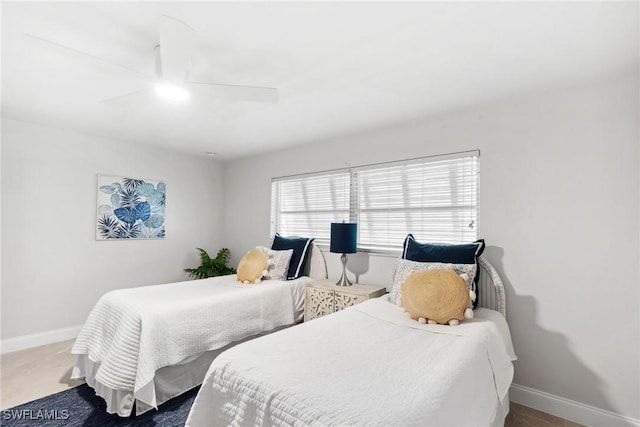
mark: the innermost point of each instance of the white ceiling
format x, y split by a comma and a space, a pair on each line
339, 67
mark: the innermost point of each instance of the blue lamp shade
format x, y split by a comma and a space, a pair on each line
344, 238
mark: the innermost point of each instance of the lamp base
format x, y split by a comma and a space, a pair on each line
344, 281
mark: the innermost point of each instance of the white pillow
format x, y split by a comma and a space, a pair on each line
278, 263
405, 267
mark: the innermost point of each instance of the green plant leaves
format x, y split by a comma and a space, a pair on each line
210, 267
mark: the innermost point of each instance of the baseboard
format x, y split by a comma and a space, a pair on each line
23, 342
569, 409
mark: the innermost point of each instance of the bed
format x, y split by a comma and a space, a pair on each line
368, 365
143, 346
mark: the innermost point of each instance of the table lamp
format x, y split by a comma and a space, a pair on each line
344, 238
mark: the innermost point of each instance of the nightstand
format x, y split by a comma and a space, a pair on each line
323, 297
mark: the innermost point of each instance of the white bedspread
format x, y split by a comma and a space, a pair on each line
368, 365
134, 332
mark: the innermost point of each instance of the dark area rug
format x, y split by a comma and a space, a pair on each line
80, 406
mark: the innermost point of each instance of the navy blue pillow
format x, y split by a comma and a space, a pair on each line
301, 253
466, 253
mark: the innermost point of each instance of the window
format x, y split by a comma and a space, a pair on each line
306, 205
435, 198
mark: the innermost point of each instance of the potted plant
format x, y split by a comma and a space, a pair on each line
210, 267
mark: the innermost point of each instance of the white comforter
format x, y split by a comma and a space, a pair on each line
134, 332
368, 365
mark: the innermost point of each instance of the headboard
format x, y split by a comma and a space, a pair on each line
490, 288
317, 265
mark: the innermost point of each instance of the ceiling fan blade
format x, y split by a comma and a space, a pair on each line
176, 47
130, 99
247, 93
70, 50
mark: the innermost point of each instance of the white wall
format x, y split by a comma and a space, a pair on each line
53, 269
559, 211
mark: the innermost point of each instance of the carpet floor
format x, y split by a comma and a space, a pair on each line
80, 406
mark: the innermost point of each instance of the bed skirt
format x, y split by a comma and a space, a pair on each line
168, 382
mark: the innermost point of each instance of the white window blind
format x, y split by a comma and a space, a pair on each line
435, 199
307, 205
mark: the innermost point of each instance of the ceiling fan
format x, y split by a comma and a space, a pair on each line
172, 63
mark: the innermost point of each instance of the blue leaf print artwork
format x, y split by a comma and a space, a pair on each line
130, 208
128, 231
155, 221
131, 184
107, 225
152, 195
126, 215
115, 199
143, 211
145, 189
107, 189
129, 198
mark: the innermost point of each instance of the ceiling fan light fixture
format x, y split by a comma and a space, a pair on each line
171, 92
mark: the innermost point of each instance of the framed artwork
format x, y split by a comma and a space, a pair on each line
130, 208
